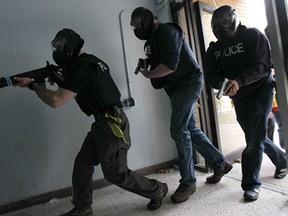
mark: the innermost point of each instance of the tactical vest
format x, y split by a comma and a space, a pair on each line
106, 93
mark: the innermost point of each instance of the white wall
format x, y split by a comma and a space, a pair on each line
37, 143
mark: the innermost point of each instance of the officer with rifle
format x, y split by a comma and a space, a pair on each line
88, 80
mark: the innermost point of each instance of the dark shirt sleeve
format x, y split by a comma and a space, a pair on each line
258, 58
170, 40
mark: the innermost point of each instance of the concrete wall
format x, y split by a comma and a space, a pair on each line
37, 143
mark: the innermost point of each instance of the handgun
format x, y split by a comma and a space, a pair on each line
222, 89
140, 66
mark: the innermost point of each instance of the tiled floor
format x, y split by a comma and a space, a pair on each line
224, 198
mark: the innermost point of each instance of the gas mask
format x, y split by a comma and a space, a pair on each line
224, 22
58, 52
141, 34
142, 23
66, 46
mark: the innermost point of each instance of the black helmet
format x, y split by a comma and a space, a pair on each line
142, 22
66, 44
224, 22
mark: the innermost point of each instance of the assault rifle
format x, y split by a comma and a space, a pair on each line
52, 72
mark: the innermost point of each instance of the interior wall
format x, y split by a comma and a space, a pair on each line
38, 144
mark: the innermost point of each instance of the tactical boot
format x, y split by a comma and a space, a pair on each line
182, 193
280, 173
252, 194
156, 203
78, 212
216, 177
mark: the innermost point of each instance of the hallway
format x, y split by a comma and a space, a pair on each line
224, 198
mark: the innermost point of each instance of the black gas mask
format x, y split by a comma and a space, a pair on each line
66, 47
142, 23
224, 22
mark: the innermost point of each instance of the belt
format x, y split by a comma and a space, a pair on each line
112, 111
98, 118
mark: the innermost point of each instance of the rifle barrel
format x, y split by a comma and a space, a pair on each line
37, 74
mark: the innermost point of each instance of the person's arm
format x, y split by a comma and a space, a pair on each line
53, 98
258, 58
212, 76
160, 71
169, 39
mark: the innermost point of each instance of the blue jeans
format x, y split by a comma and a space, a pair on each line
271, 127
252, 115
280, 131
187, 135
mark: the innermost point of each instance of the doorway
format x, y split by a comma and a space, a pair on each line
216, 117
231, 139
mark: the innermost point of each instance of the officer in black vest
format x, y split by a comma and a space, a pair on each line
88, 80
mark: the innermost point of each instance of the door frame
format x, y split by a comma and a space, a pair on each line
194, 11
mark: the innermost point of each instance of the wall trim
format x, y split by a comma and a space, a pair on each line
66, 192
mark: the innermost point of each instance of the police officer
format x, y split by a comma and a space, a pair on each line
88, 80
242, 55
173, 66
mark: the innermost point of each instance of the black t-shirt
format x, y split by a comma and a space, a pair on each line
89, 77
169, 47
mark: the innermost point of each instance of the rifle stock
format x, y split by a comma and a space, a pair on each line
39, 75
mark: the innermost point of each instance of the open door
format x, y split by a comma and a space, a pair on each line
230, 137
217, 118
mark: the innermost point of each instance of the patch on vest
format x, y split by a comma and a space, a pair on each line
102, 66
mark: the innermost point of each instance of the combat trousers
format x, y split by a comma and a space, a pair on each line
102, 147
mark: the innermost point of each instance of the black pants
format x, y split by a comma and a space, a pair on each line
101, 146
252, 115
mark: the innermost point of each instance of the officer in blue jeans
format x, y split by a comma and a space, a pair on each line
173, 66
242, 55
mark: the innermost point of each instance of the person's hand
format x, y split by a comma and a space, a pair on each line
22, 81
51, 81
232, 88
144, 70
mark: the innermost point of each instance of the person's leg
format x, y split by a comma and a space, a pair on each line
183, 104
82, 174
271, 127
252, 115
214, 158
82, 178
280, 131
113, 159
276, 155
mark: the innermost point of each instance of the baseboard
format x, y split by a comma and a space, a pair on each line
66, 192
